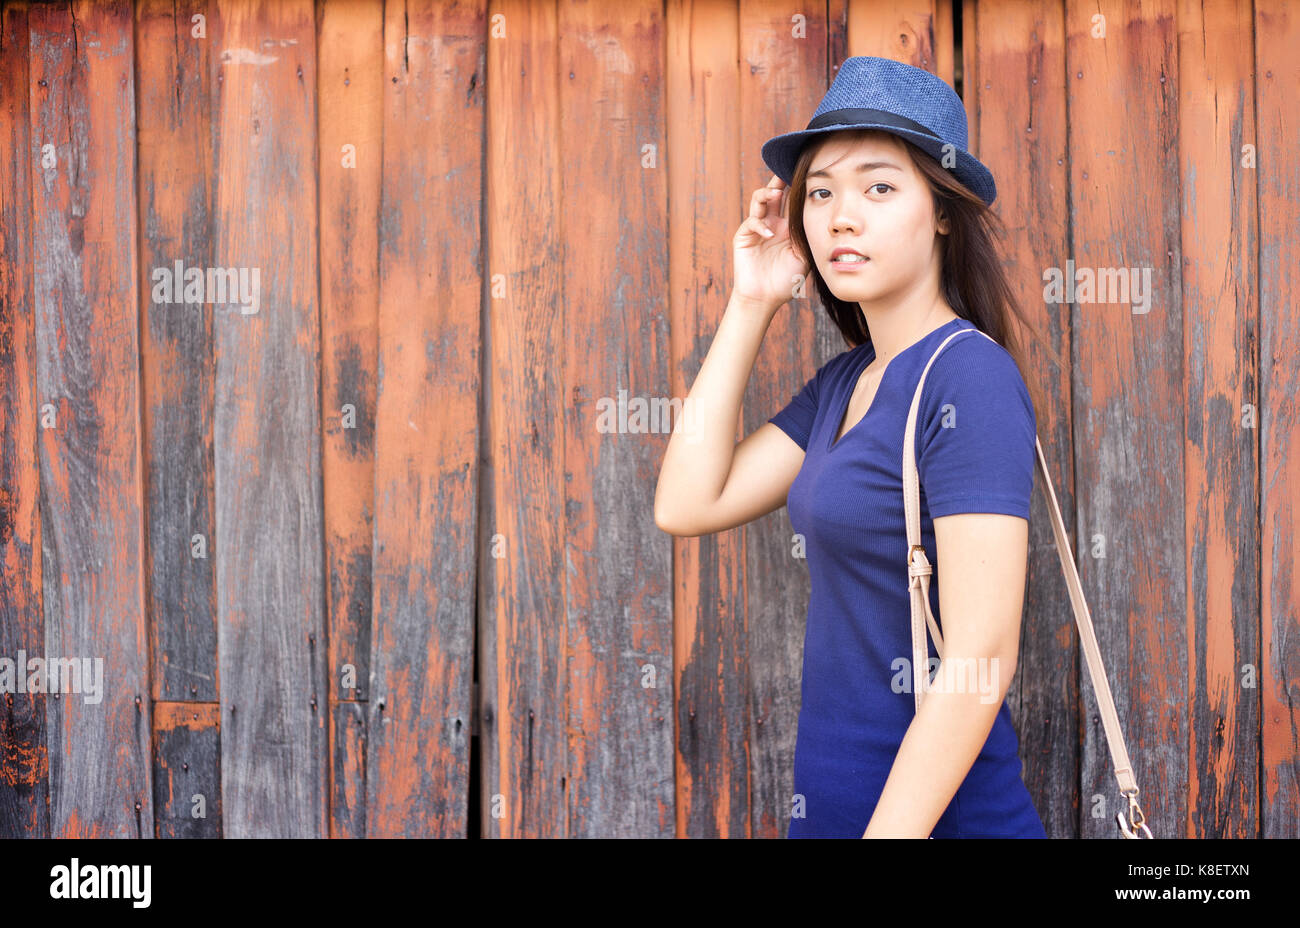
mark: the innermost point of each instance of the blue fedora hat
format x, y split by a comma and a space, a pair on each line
880, 93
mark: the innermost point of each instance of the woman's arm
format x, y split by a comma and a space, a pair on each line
982, 560
696, 492
695, 466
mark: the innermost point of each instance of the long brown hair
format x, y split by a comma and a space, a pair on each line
971, 275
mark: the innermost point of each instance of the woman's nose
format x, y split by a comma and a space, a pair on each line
846, 223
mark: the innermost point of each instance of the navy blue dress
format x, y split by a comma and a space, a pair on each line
975, 452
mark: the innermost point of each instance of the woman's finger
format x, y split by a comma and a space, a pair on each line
779, 202
757, 225
763, 196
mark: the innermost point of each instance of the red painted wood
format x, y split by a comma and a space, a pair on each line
426, 423
711, 624
187, 769
350, 140
1129, 373
1221, 312
24, 757
270, 562
615, 87
1015, 90
176, 177
85, 295
522, 743
904, 30
784, 74
1277, 75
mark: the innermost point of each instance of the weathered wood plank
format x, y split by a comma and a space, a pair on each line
945, 37
187, 770
1020, 102
1219, 241
177, 366
351, 89
782, 79
710, 622
270, 579
523, 745
84, 253
903, 30
348, 769
426, 422
24, 759
1277, 75
1128, 375
614, 87
968, 32
837, 49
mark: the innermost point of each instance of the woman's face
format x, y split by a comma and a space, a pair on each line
884, 212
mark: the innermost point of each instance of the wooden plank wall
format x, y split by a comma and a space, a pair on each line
1277, 77
350, 49
24, 753
426, 422
378, 559
84, 261
175, 164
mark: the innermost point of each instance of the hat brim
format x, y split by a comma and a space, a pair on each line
781, 154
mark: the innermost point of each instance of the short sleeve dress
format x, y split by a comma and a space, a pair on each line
975, 437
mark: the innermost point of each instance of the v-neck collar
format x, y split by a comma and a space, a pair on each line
838, 422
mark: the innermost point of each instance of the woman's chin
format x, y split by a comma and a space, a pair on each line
852, 294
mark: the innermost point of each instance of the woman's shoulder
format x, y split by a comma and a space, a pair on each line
973, 368
973, 359
974, 343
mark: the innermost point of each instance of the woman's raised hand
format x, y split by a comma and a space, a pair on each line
763, 255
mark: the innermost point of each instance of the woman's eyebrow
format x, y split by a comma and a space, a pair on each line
864, 166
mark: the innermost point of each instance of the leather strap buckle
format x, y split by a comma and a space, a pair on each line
1136, 820
915, 570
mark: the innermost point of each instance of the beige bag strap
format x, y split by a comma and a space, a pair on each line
919, 571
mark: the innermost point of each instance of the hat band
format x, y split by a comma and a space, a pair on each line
853, 115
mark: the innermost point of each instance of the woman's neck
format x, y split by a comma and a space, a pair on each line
899, 328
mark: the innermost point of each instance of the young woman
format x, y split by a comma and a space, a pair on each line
881, 205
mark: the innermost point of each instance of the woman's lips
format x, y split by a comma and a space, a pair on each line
849, 266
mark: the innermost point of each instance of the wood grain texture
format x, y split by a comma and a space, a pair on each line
24, 757
903, 30
270, 579
1129, 372
1277, 76
967, 32
1016, 92
945, 48
619, 625
84, 254
538, 222
426, 423
348, 769
711, 622
523, 744
350, 104
1219, 244
187, 770
783, 77
177, 364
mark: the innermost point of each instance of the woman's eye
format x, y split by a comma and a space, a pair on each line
812, 194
